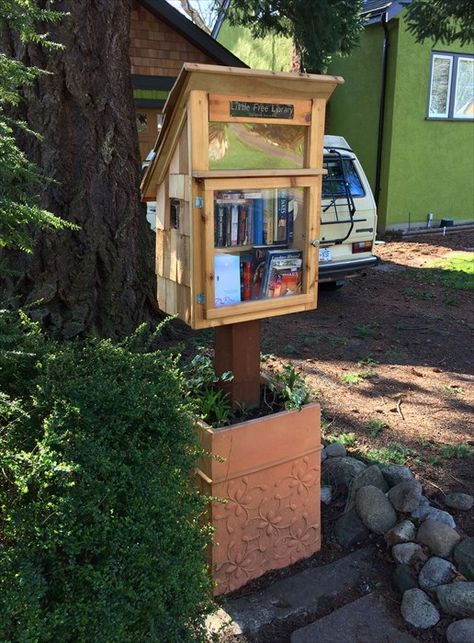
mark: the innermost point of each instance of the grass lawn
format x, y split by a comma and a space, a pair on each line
456, 271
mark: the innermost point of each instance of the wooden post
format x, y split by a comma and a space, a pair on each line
237, 349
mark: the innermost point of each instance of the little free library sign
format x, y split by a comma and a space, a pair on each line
261, 110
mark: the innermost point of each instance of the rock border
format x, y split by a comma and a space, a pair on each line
434, 564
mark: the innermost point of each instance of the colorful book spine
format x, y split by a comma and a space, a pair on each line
268, 221
291, 218
228, 225
282, 216
220, 226
242, 240
246, 278
234, 230
250, 222
258, 222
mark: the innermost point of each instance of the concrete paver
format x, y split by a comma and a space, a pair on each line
365, 620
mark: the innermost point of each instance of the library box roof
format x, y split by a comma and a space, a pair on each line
218, 79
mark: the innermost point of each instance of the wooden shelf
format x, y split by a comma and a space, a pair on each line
243, 174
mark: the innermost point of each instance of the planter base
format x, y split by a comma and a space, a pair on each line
269, 475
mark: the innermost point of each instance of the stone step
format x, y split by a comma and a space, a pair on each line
366, 620
288, 603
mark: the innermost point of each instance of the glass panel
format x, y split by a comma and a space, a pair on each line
440, 86
333, 181
243, 146
464, 97
256, 236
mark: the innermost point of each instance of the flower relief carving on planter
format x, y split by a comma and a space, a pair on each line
269, 476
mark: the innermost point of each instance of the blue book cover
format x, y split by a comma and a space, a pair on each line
258, 222
227, 279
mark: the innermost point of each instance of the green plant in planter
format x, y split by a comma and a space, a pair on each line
211, 403
293, 388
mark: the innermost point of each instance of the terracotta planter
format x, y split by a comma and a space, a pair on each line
269, 474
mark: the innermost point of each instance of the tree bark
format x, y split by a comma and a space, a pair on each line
100, 279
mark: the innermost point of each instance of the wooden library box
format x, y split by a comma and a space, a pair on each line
236, 176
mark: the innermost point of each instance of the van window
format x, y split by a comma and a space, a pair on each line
333, 183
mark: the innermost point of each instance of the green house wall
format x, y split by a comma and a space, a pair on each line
427, 165
271, 52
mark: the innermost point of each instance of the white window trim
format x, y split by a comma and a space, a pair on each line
454, 58
460, 116
448, 97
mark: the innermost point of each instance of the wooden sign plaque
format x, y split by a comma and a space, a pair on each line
261, 110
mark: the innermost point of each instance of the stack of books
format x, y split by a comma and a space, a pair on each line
261, 273
250, 219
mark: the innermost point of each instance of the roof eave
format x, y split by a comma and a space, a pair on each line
199, 38
391, 9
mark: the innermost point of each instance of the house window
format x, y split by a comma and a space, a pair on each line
142, 123
451, 86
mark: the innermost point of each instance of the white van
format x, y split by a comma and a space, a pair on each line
348, 216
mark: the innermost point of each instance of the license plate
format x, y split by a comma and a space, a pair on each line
324, 254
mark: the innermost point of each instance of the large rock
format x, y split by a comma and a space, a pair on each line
457, 599
461, 631
461, 501
349, 529
418, 610
341, 471
464, 557
370, 476
375, 510
433, 513
406, 553
403, 578
436, 571
422, 510
335, 450
406, 495
396, 473
404, 532
440, 538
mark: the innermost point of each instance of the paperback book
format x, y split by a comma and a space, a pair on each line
282, 274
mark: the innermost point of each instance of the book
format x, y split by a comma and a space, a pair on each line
242, 240
250, 222
281, 216
228, 225
292, 212
258, 221
268, 220
246, 277
282, 275
219, 226
234, 226
226, 279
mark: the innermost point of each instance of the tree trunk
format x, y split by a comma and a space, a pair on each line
100, 279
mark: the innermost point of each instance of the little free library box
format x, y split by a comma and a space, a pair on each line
237, 177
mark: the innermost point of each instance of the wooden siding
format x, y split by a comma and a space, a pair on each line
156, 49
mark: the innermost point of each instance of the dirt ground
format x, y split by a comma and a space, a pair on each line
390, 357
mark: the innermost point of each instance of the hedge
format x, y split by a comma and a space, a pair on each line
101, 528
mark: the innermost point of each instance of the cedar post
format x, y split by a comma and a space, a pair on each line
237, 349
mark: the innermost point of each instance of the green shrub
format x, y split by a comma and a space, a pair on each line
101, 536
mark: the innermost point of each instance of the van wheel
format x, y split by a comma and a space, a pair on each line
331, 285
